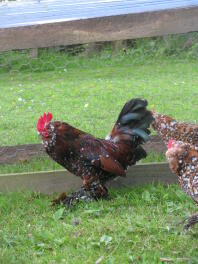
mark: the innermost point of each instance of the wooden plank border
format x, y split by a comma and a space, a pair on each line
61, 181
110, 28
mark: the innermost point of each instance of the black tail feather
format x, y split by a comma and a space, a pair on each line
132, 106
140, 153
135, 119
130, 117
141, 133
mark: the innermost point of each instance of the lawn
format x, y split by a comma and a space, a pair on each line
137, 225
88, 92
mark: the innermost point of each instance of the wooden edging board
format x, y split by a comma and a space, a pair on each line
110, 28
62, 180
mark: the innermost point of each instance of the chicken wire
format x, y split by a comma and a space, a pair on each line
87, 85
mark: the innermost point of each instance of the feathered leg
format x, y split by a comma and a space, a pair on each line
95, 191
192, 220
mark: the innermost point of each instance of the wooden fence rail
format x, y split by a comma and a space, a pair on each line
61, 181
36, 24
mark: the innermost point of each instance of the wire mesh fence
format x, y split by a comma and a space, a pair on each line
87, 85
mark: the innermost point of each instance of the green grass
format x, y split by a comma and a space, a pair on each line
46, 164
36, 164
103, 82
88, 92
137, 225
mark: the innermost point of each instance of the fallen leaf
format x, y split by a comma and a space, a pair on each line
99, 259
105, 239
58, 214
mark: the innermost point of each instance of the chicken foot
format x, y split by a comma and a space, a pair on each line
96, 191
192, 220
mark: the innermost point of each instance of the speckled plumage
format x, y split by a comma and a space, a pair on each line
98, 160
183, 160
168, 128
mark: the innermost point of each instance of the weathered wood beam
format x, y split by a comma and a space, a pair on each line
110, 28
61, 181
20, 153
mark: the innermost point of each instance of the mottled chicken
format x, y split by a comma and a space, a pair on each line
168, 128
183, 160
97, 160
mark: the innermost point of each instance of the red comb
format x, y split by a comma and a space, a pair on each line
43, 120
171, 142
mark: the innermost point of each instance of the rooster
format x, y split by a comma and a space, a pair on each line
183, 160
168, 128
97, 160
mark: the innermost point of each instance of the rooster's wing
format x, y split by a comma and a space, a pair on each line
101, 154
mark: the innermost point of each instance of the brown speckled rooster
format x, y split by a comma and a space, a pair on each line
183, 160
168, 128
97, 160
